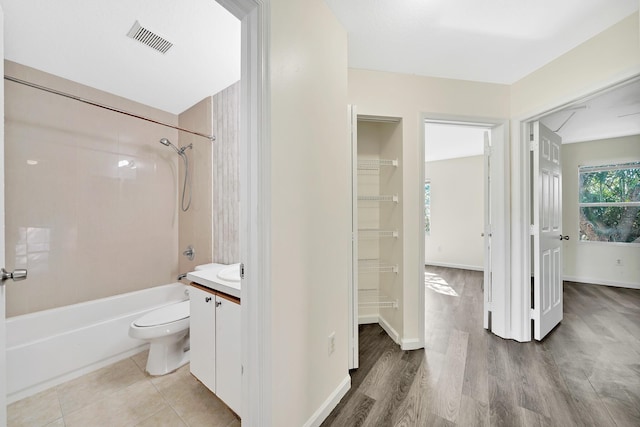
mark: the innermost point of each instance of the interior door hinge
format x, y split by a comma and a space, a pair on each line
241, 270
532, 230
533, 314
533, 145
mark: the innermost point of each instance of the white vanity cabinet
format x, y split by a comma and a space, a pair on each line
215, 343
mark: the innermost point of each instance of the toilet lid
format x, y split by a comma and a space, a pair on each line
167, 314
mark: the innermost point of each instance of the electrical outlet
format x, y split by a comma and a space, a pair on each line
619, 262
332, 343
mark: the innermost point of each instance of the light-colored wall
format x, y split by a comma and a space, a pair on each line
610, 56
82, 226
457, 213
310, 207
408, 97
595, 262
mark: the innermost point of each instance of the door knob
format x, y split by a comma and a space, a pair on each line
15, 275
564, 237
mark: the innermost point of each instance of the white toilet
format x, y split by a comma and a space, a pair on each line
167, 329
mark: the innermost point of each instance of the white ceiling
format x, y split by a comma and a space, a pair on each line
86, 41
611, 114
489, 40
497, 41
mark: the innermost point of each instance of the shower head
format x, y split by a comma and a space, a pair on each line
180, 151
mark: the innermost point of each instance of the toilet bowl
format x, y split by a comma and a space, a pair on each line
167, 330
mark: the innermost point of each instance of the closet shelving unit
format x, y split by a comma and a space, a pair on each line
377, 235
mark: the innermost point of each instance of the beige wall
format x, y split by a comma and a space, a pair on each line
594, 262
606, 58
310, 207
457, 212
84, 227
408, 97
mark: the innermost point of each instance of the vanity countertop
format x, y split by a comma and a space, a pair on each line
209, 278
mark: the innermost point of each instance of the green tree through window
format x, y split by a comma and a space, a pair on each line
609, 202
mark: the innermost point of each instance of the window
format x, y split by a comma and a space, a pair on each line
427, 207
609, 203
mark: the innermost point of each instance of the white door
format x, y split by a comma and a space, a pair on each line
486, 234
353, 294
547, 230
202, 331
228, 353
3, 332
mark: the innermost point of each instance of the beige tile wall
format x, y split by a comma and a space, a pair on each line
83, 226
226, 176
195, 224
211, 225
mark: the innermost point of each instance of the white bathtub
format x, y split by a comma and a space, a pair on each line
53, 346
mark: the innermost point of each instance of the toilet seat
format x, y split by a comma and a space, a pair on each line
164, 315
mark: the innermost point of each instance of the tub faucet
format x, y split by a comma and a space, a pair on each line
182, 276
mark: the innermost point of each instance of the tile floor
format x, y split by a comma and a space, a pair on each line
124, 395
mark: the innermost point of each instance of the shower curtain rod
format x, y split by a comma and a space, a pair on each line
106, 107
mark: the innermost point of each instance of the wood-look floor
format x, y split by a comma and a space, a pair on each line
585, 373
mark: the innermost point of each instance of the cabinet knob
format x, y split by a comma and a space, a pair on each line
207, 299
218, 303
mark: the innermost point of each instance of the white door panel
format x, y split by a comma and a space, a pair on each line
487, 287
3, 356
353, 294
547, 230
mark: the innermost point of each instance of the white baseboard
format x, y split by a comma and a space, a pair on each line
591, 281
389, 330
411, 344
332, 401
368, 319
452, 265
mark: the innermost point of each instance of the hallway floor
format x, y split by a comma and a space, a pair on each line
124, 395
584, 373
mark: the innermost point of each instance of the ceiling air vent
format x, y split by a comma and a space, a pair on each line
151, 39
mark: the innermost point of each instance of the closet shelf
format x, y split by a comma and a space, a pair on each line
375, 164
376, 266
379, 198
369, 298
370, 233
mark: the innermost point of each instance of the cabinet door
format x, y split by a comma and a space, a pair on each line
228, 361
203, 337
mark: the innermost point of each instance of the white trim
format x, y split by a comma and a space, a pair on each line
421, 247
520, 200
591, 281
453, 265
328, 405
411, 344
255, 209
389, 330
368, 319
501, 242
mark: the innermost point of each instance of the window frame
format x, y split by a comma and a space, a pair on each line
633, 164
